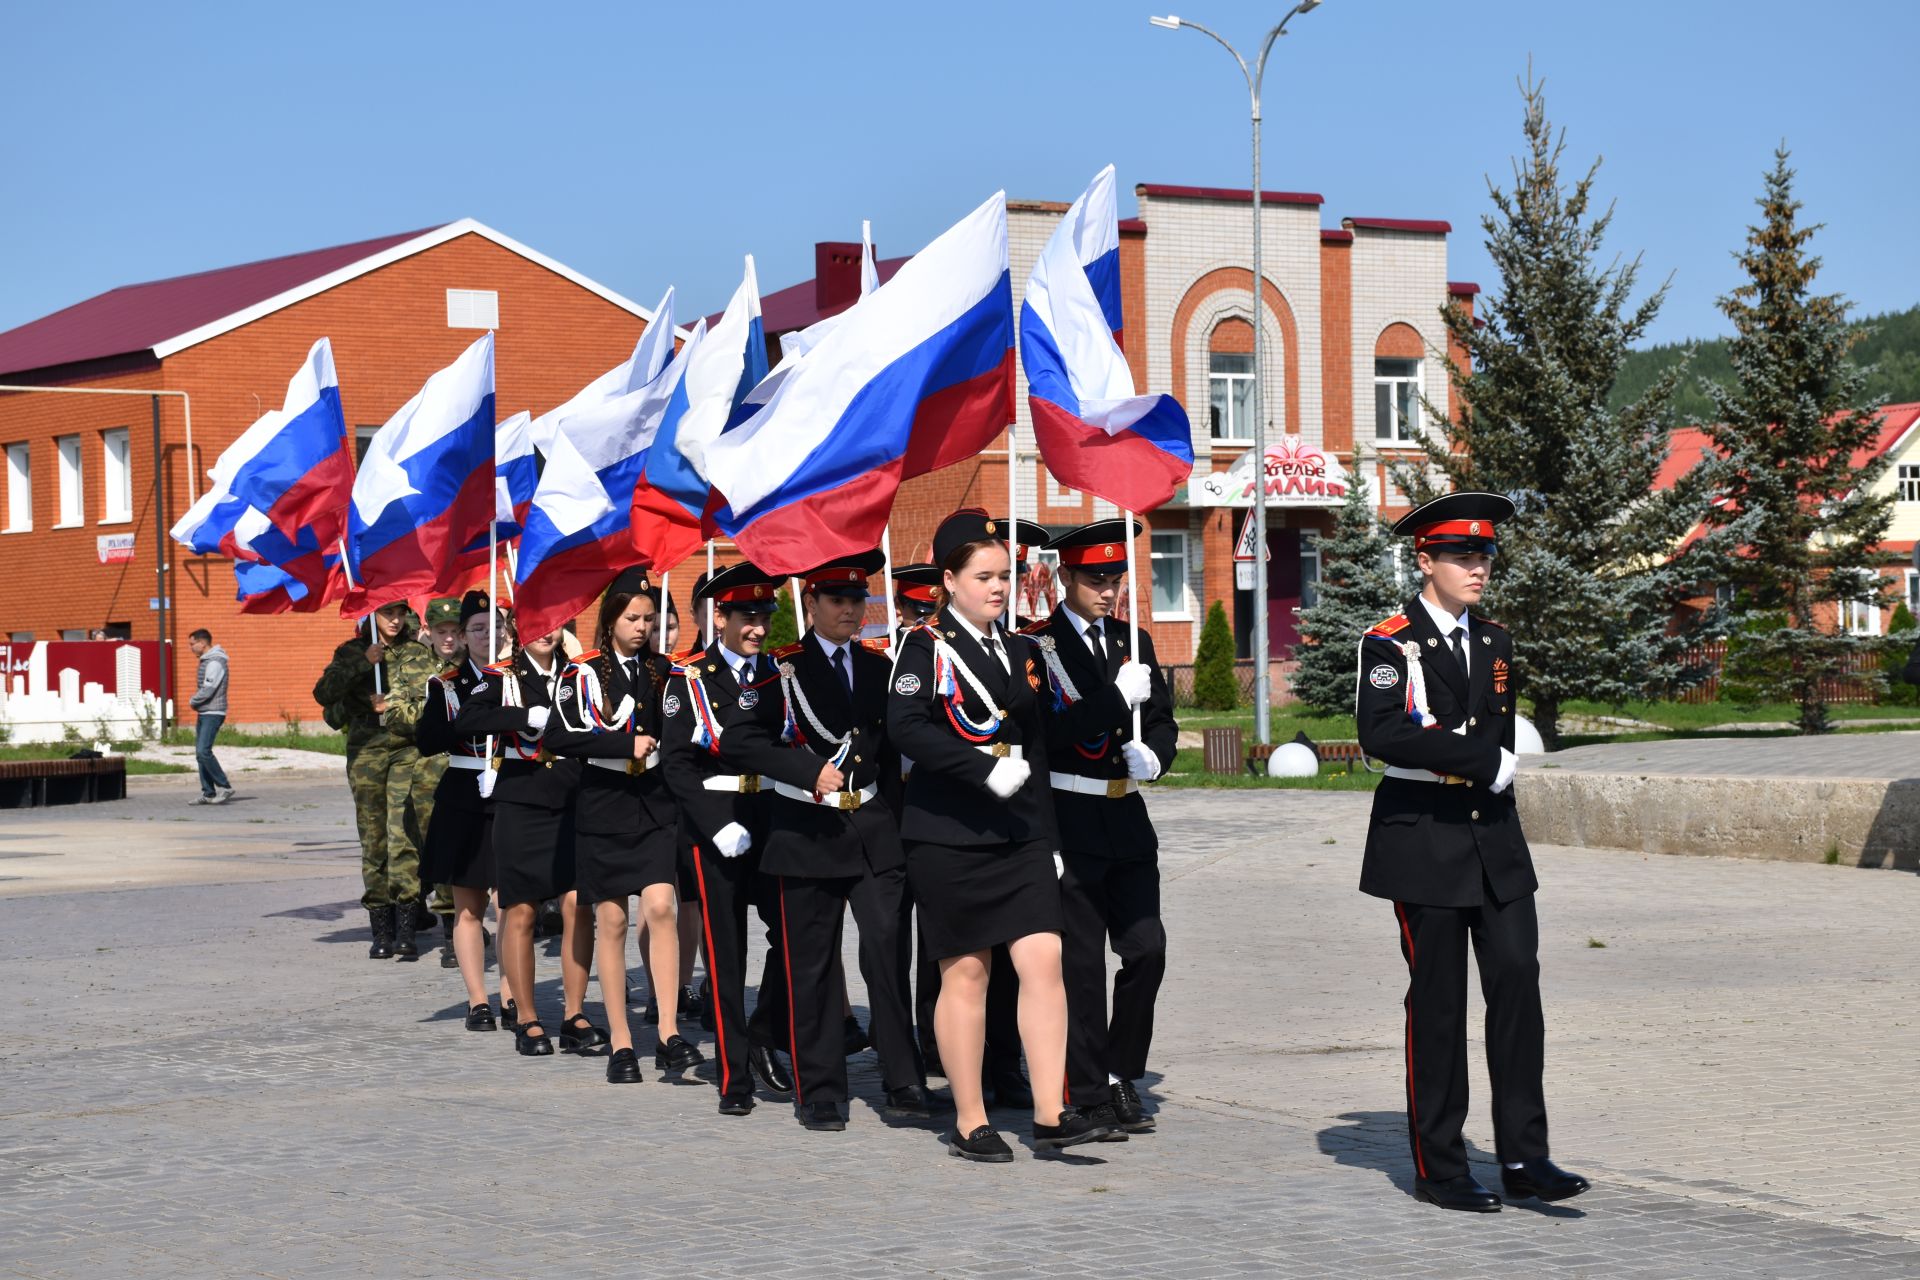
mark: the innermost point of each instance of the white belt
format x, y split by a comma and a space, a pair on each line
1427, 775
744, 783
1002, 750
467, 762
848, 800
1111, 788
632, 768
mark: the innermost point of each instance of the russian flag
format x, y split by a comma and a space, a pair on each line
300, 574
668, 502
731, 361
425, 488
515, 475
578, 531
1094, 433
294, 463
916, 376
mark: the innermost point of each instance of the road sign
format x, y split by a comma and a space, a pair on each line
1243, 546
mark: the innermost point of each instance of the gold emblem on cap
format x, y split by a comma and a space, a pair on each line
759, 592
1107, 551
1474, 528
992, 527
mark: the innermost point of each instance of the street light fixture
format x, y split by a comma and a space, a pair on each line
1262, 694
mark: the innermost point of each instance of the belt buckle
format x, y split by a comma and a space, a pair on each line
636, 767
1116, 788
1001, 751
850, 800
749, 784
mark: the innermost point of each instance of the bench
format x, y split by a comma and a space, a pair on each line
29, 784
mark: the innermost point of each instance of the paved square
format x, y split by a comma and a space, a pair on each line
204, 1076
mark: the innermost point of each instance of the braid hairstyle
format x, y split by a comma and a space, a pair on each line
612, 605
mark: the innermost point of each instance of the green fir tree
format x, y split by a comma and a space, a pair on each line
1360, 584
1215, 686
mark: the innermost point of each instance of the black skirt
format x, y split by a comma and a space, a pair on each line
459, 846
973, 897
617, 865
533, 857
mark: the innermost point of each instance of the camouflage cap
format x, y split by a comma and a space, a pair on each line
443, 609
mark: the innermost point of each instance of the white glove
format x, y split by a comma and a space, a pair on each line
1134, 682
491, 775
1008, 776
731, 840
1142, 764
1059, 866
1509, 765
537, 719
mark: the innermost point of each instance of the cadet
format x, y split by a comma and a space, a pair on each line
817, 735
380, 763
447, 638
1435, 700
1110, 888
723, 827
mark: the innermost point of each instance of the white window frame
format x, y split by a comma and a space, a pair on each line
1913, 592
116, 476
1228, 434
1863, 617
1183, 611
473, 309
72, 511
1405, 431
1310, 555
19, 489
1907, 482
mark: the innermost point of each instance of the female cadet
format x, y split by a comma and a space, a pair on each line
626, 829
532, 833
978, 827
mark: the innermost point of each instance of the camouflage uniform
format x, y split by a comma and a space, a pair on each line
381, 758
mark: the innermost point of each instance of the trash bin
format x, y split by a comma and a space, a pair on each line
1221, 748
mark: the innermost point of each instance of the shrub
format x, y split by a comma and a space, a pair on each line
1215, 687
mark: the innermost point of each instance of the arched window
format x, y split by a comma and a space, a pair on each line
1398, 360
1230, 380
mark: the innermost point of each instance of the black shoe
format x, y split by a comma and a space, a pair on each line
653, 1006
404, 924
767, 1069
548, 923
1542, 1179
380, 921
821, 1117
1463, 1193
700, 1003
736, 1104
853, 1035
1127, 1109
677, 1055
909, 1100
1012, 1093
480, 1016
624, 1067
423, 917
510, 1009
1072, 1130
525, 1042
578, 1035
1102, 1114
983, 1144
447, 959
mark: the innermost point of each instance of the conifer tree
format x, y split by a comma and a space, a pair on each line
1360, 584
1215, 686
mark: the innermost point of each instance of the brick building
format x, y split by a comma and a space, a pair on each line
80, 469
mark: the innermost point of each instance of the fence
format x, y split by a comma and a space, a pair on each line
1179, 677
1837, 689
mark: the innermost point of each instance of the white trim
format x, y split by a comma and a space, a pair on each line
405, 249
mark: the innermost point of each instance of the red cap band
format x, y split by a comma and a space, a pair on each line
751, 591
918, 591
836, 574
1111, 556
1453, 529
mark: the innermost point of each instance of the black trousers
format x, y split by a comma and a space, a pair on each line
1506, 945
812, 915
1003, 1010
1108, 900
727, 886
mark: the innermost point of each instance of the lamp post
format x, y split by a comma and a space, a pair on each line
1262, 695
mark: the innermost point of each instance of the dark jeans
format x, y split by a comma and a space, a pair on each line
211, 774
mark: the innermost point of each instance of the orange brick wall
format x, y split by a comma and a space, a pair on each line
1336, 347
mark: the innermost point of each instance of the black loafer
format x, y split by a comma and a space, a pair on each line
1012, 1093
677, 1055
1542, 1179
983, 1145
623, 1067
578, 1035
510, 1009
1128, 1111
1102, 1114
525, 1042
480, 1016
1463, 1193
853, 1036
821, 1117
768, 1070
736, 1104
1072, 1130
909, 1100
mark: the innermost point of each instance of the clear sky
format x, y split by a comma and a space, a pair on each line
648, 144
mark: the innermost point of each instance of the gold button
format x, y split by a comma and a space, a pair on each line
1431, 642
1471, 720
1502, 708
1483, 639
1475, 815
1469, 781
856, 759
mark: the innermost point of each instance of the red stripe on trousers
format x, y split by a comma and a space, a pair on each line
793, 1036
1413, 1107
719, 1023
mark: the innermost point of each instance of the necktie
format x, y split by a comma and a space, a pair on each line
840, 669
992, 646
1458, 642
1096, 639
744, 671
633, 673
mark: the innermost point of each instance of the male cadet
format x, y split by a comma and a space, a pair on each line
723, 819
817, 734
380, 762
1110, 879
447, 638
1435, 700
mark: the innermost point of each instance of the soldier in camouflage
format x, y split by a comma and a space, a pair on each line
448, 641
380, 764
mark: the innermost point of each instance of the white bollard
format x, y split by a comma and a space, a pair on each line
1526, 738
1293, 760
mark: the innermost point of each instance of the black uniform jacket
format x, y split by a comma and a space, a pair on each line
592, 688
1084, 737
809, 839
1431, 843
446, 693
529, 773
947, 801
687, 763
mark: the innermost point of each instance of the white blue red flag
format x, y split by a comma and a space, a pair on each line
294, 464
731, 361
794, 346
425, 489
1094, 433
916, 376
667, 503
274, 573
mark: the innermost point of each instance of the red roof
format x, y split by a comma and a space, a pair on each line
798, 305
1687, 443
136, 317
1462, 288
1243, 194
1431, 228
1330, 236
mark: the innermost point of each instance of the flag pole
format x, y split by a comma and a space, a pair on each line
709, 598
1013, 533
373, 636
886, 578
799, 610
493, 590
1133, 614
666, 607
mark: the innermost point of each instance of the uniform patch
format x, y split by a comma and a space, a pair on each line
566, 690
750, 698
478, 686
671, 706
1384, 676
906, 686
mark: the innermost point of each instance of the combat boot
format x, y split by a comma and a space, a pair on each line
404, 947
447, 959
380, 919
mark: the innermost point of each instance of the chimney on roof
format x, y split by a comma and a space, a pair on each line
836, 275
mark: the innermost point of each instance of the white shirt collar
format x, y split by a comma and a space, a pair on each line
548, 673
1081, 624
1443, 621
979, 636
829, 647
732, 659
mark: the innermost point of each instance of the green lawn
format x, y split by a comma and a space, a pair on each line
316, 737
1188, 772
64, 750
1686, 715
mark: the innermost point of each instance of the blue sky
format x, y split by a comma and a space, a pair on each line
653, 144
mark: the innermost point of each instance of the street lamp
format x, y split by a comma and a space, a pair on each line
1262, 699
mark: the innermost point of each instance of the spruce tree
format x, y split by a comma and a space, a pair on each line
1798, 466
1359, 585
1215, 686
1590, 576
